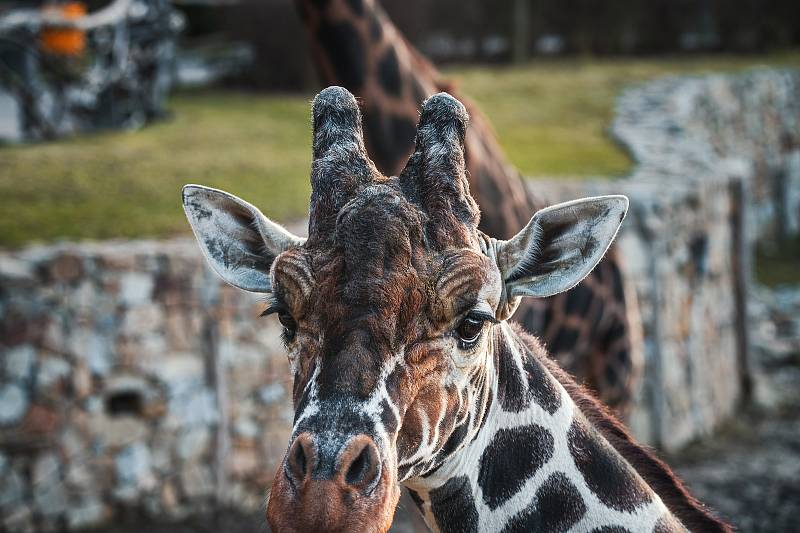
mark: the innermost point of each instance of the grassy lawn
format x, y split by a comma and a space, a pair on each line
551, 117
127, 184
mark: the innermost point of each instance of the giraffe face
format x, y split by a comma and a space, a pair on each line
387, 308
386, 339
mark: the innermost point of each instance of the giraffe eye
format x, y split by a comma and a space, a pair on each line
288, 323
470, 329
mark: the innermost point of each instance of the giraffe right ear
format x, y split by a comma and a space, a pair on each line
238, 241
559, 246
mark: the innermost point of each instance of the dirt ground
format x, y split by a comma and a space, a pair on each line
749, 472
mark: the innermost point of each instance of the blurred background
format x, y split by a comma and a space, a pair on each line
137, 391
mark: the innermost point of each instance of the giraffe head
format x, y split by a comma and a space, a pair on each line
387, 307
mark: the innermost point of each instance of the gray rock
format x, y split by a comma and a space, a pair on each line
13, 404
16, 271
194, 407
50, 500
180, 369
79, 475
272, 393
246, 427
193, 442
197, 481
136, 288
133, 471
51, 370
19, 363
19, 520
99, 354
88, 511
91, 346
49, 495
144, 319
118, 431
12, 489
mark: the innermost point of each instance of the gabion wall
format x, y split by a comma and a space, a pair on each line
685, 129
718, 169
131, 377
679, 252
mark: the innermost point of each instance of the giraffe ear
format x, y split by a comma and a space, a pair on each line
559, 246
237, 240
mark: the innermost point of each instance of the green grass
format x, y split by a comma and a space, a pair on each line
127, 184
551, 117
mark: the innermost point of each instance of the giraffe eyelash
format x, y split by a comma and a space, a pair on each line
277, 306
274, 305
480, 315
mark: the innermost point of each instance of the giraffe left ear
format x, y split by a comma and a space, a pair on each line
559, 246
238, 241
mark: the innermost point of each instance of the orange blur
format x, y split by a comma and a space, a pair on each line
64, 41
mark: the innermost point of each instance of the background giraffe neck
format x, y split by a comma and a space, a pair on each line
354, 44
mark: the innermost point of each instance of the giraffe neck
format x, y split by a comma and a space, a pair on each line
537, 463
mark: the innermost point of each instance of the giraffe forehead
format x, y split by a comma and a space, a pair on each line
379, 220
379, 256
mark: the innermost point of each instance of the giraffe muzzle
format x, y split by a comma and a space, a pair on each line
327, 485
354, 466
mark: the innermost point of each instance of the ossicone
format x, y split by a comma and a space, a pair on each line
340, 165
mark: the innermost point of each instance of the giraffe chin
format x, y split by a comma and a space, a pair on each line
330, 505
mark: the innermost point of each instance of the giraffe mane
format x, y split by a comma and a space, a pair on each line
688, 509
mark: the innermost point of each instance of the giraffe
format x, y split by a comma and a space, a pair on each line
394, 312
592, 330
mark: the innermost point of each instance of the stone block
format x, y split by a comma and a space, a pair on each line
135, 288
12, 488
197, 481
52, 370
18, 363
49, 494
19, 519
117, 432
133, 471
86, 512
66, 267
41, 422
16, 272
193, 443
14, 402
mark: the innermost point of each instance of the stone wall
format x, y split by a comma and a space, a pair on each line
718, 167
131, 377
684, 129
677, 248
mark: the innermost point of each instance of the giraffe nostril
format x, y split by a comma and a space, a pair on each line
359, 464
300, 459
358, 468
298, 463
